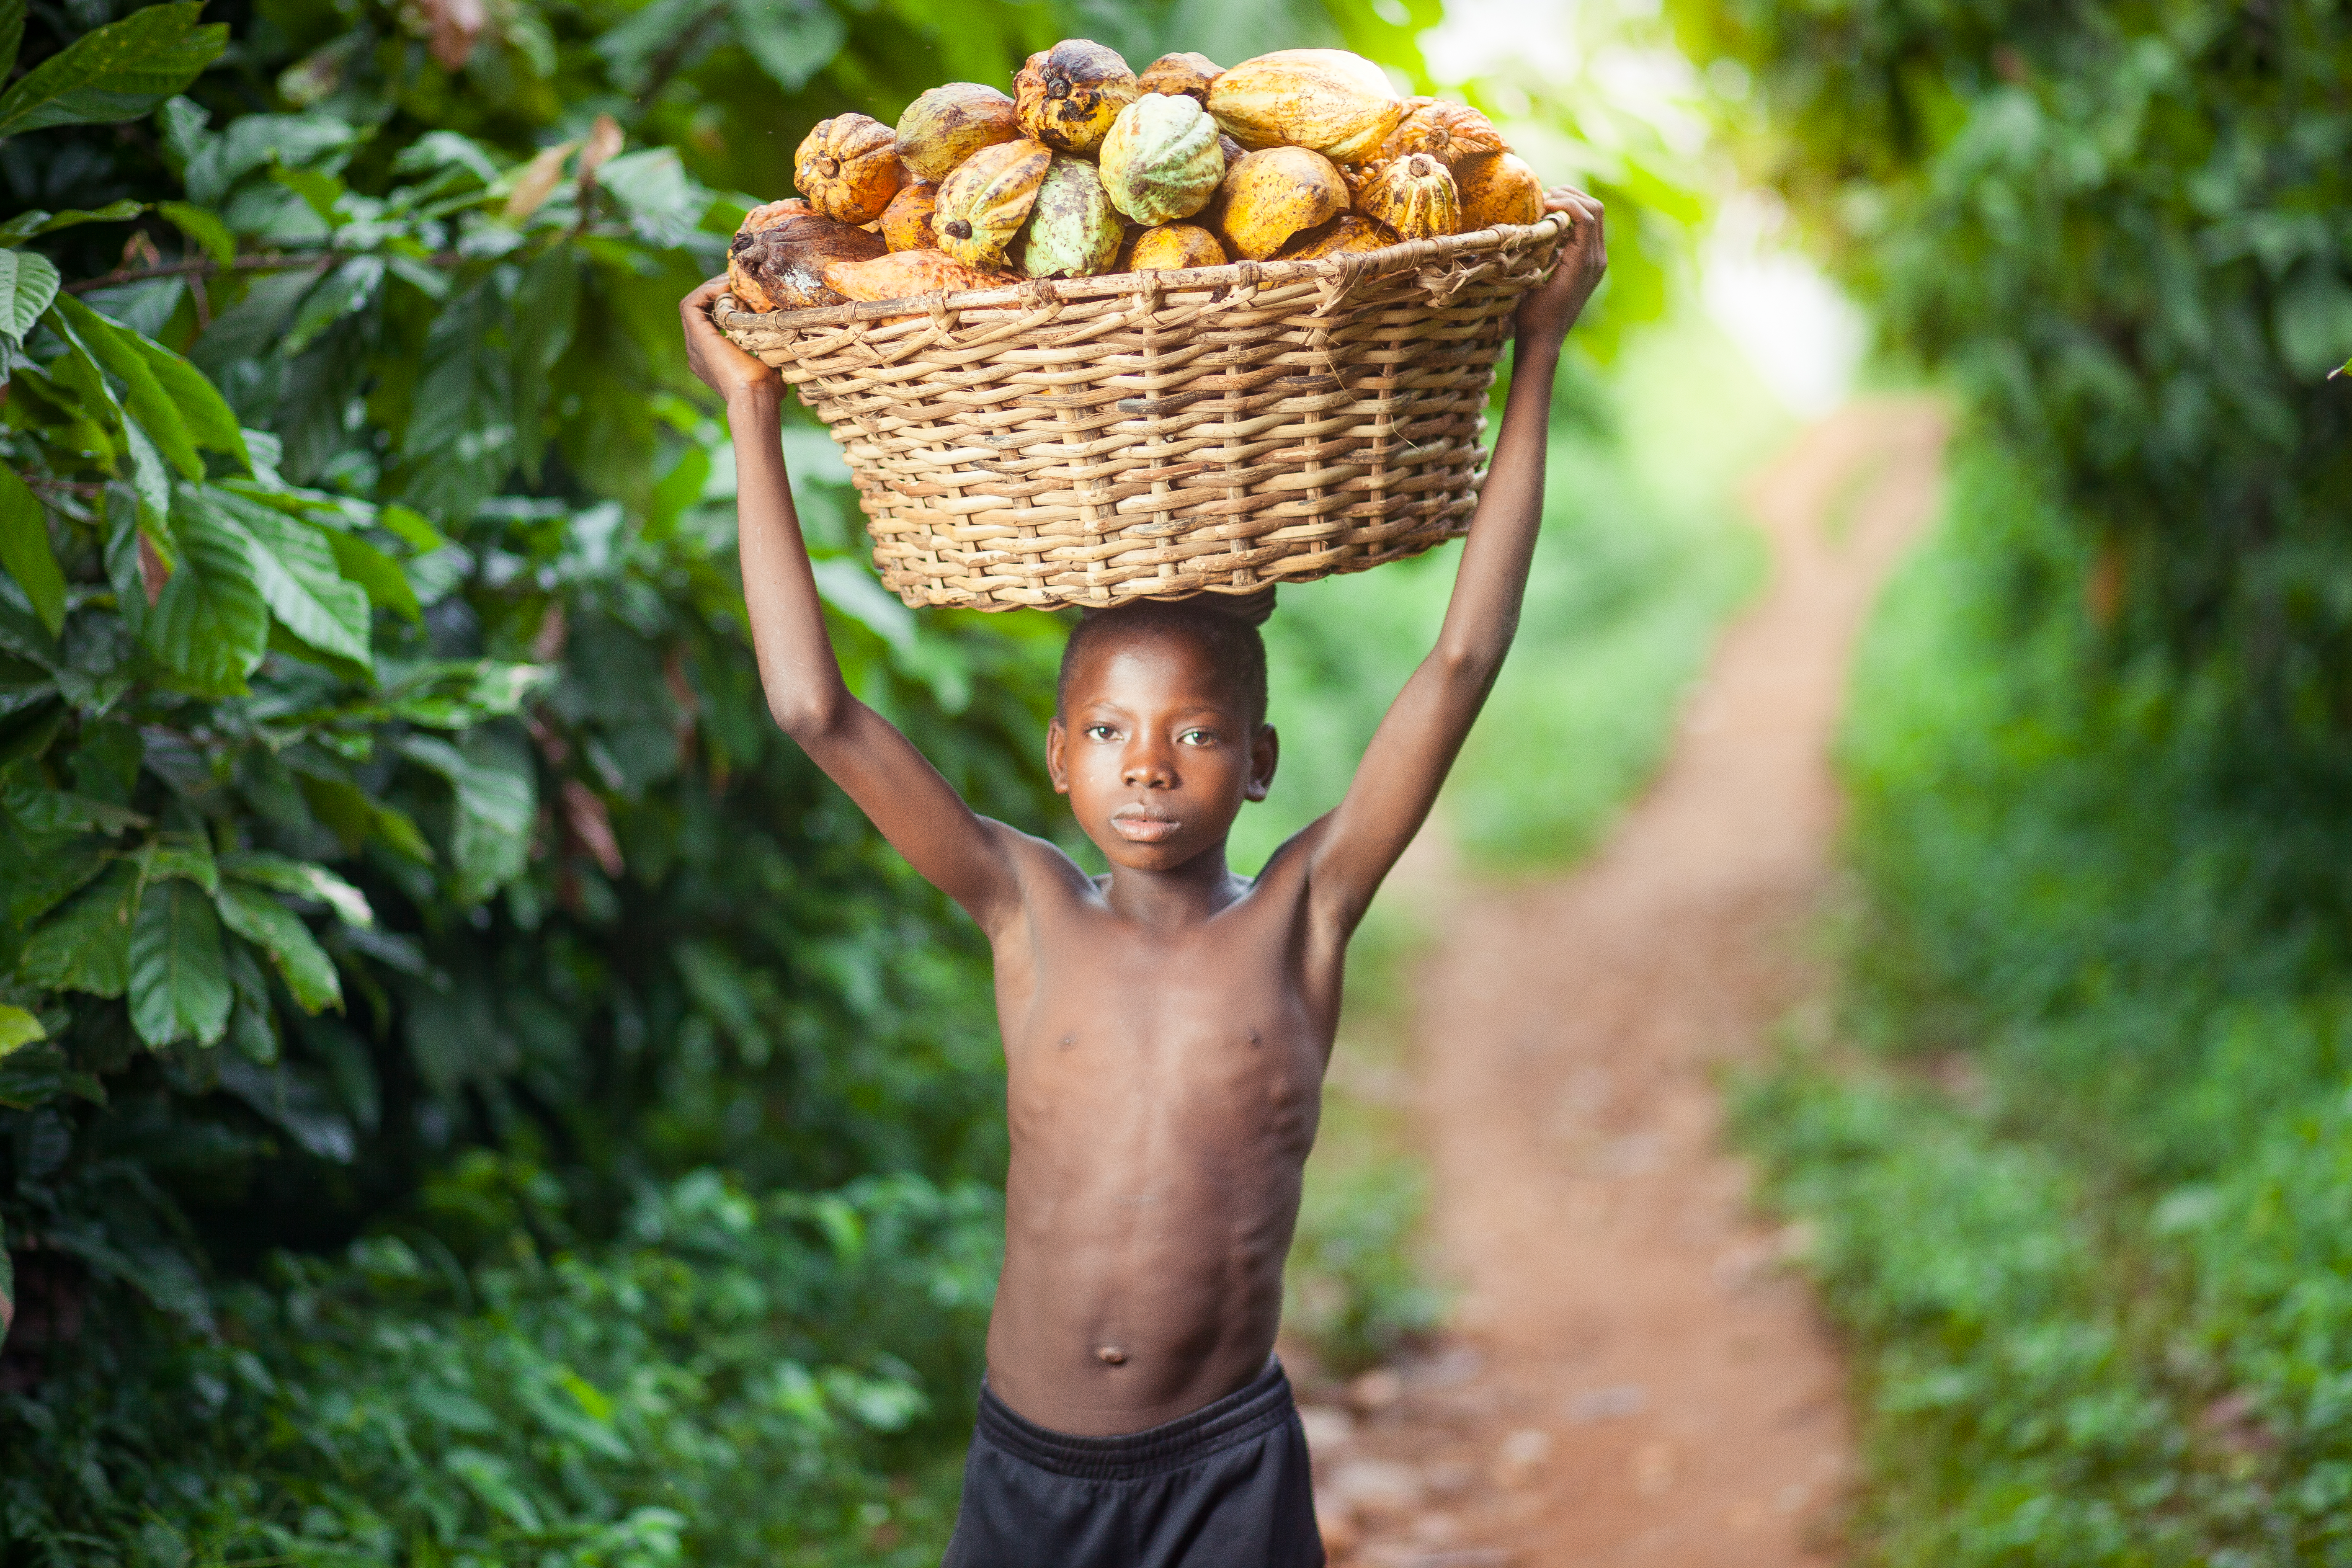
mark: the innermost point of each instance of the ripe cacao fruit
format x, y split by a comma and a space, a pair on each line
1175, 244
984, 200
948, 124
1074, 230
1448, 133
1337, 238
903, 274
1272, 194
1067, 96
781, 266
848, 167
769, 214
1181, 76
1497, 187
1326, 100
1160, 160
1413, 196
906, 221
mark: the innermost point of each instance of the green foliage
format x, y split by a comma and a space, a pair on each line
2127, 229
2081, 1211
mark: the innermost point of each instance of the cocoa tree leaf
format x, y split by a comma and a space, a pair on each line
28, 281
279, 932
25, 549
294, 568
18, 1028
116, 347
86, 945
116, 73
496, 801
211, 626
304, 881
179, 977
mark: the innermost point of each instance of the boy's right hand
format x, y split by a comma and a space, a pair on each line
724, 368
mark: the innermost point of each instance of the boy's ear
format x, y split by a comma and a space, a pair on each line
1265, 751
1057, 764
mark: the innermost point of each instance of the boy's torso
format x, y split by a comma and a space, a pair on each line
1162, 1089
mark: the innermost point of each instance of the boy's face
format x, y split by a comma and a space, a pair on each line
1155, 752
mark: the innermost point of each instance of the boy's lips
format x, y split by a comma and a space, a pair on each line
1138, 825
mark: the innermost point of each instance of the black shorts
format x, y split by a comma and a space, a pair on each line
1226, 1487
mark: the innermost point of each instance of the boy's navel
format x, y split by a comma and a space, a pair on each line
1110, 1355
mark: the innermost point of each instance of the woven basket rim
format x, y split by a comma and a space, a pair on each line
1346, 269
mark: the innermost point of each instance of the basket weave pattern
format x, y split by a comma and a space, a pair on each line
1157, 435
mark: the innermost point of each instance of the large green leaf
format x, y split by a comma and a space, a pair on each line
793, 41
18, 1028
28, 281
36, 220
304, 881
86, 946
117, 72
278, 931
211, 422
117, 347
377, 573
11, 39
179, 978
294, 566
212, 625
24, 548
497, 800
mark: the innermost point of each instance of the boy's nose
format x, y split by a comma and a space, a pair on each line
1146, 767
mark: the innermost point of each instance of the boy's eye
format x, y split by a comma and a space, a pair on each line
1198, 737
1100, 733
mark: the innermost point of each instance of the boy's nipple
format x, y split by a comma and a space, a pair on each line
1110, 1355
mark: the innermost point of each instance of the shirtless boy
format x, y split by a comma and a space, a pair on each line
1166, 1026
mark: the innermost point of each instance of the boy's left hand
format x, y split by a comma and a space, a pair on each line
1545, 315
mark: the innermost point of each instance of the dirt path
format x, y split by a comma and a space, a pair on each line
1633, 1379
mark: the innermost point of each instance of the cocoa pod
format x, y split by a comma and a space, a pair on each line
904, 274
848, 167
984, 200
906, 221
1181, 76
1172, 245
1272, 194
1414, 197
1448, 133
948, 124
781, 266
1497, 187
1074, 230
1337, 238
1326, 100
1067, 96
1160, 160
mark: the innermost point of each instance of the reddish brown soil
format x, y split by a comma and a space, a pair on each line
1633, 1376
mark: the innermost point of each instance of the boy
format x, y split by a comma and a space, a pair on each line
1165, 1028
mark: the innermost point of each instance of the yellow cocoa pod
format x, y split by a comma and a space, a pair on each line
1181, 76
903, 274
781, 265
1327, 100
1275, 192
1337, 238
948, 124
1448, 133
1172, 245
906, 221
1074, 230
1413, 196
985, 199
1067, 96
1497, 187
848, 167
1160, 160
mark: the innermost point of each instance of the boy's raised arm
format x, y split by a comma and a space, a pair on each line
1398, 780
916, 810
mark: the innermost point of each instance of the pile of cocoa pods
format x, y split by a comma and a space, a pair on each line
1089, 168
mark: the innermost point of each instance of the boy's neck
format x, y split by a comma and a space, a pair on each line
1180, 895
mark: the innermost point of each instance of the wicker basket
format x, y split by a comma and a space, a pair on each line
1158, 434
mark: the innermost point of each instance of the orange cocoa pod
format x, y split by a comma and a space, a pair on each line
903, 274
1068, 95
1274, 193
848, 167
1448, 133
1181, 76
1497, 187
781, 266
770, 214
906, 221
984, 200
1173, 246
950, 123
1337, 238
1413, 196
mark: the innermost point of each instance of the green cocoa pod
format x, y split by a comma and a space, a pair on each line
1073, 231
1160, 160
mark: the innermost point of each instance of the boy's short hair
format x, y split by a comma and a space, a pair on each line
1226, 630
